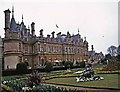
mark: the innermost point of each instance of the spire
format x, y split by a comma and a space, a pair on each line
13, 23
12, 11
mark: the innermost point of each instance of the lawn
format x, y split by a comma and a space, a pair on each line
110, 81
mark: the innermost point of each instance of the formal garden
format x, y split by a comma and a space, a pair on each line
20, 83
50, 79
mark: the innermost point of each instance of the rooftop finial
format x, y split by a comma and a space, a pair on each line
85, 38
22, 17
28, 27
12, 11
78, 30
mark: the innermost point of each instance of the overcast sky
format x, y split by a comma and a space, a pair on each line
97, 20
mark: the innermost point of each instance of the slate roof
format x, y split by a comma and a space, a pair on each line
13, 24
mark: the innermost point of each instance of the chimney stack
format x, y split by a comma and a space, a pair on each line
68, 35
59, 35
92, 47
7, 19
33, 29
53, 34
28, 31
48, 36
41, 33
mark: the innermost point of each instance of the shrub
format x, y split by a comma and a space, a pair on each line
21, 67
82, 64
68, 64
26, 63
34, 79
63, 63
112, 66
48, 67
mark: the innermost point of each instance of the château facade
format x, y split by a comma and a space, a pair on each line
21, 44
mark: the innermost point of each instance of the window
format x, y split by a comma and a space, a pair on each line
54, 49
20, 59
59, 49
48, 48
69, 50
19, 46
66, 49
78, 50
33, 49
25, 39
74, 50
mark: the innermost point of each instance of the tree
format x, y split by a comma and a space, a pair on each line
118, 53
108, 56
26, 63
112, 50
48, 67
82, 64
118, 50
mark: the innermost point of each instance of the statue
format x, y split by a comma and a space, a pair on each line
88, 74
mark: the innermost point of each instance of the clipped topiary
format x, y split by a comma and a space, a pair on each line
82, 64
21, 67
68, 64
48, 67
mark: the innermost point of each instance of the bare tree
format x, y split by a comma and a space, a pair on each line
118, 50
112, 50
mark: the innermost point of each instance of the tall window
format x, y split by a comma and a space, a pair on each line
19, 46
48, 48
38, 47
20, 59
78, 50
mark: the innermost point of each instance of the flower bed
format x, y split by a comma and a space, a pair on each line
19, 86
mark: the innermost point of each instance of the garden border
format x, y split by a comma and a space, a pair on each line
100, 88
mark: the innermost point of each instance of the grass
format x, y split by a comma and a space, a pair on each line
110, 81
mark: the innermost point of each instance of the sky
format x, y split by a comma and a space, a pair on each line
97, 20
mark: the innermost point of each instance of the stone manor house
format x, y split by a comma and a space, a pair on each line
21, 44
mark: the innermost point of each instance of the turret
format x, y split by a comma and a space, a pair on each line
33, 29
7, 19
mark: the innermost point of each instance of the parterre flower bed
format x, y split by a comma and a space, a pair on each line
19, 86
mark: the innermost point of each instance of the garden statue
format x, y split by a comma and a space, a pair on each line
88, 74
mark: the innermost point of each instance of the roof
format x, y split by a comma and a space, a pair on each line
13, 24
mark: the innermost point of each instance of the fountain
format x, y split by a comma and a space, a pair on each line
88, 74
